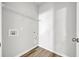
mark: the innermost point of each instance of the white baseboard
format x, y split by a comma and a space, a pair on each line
53, 51
41, 47
26, 51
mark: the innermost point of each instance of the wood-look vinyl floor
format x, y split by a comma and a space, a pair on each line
40, 52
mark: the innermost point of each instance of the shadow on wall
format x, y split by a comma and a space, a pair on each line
56, 27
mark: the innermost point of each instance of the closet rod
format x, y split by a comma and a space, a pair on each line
18, 13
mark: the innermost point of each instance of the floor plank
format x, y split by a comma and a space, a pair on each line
40, 52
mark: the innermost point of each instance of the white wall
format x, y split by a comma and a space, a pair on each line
57, 27
65, 28
60, 30
14, 17
46, 26
0, 31
71, 30
77, 48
